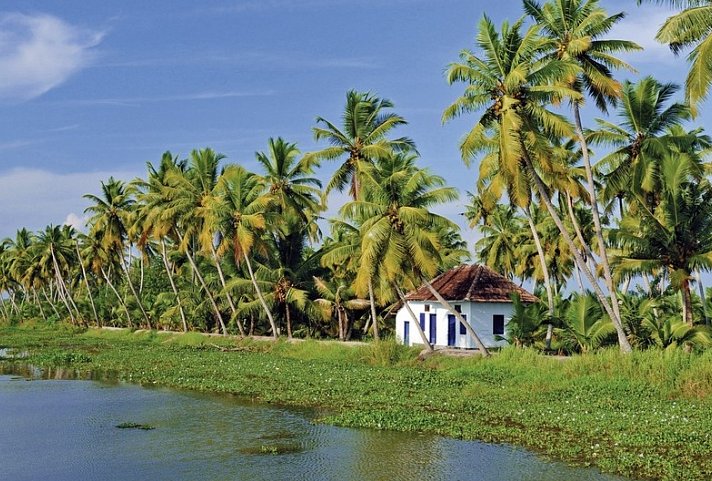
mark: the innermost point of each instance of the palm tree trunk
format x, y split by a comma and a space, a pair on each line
230, 302
164, 257
118, 296
687, 302
37, 301
199, 276
577, 230
288, 317
579, 281
86, 283
133, 291
260, 296
141, 264
51, 304
416, 323
480, 346
545, 273
597, 223
340, 317
372, 300
4, 308
62, 287
541, 190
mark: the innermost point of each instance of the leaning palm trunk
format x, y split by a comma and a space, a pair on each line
427, 344
541, 190
261, 298
547, 278
13, 304
38, 301
51, 304
62, 287
597, 221
4, 309
199, 276
86, 283
173, 285
133, 291
372, 300
233, 310
480, 346
118, 296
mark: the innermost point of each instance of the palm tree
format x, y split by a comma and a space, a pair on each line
155, 224
109, 223
238, 212
400, 237
585, 326
54, 254
296, 200
182, 205
361, 140
498, 248
513, 85
676, 235
692, 26
575, 28
639, 140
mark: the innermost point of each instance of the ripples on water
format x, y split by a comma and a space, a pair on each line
66, 430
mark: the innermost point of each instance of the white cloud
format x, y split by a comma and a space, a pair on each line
34, 198
77, 221
136, 101
640, 26
40, 52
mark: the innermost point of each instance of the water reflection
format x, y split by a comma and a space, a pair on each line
66, 430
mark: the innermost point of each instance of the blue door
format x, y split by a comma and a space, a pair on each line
433, 327
451, 330
406, 333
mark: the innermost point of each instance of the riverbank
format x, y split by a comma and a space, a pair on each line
647, 415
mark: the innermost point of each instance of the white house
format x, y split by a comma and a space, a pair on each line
478, 292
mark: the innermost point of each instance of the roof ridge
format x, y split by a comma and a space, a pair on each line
475, 280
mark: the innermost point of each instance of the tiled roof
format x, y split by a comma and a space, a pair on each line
475, 283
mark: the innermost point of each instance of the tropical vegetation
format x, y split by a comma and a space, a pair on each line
609, 223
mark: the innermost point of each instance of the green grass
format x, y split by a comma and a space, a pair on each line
646, 415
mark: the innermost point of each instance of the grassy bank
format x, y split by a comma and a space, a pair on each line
647, 415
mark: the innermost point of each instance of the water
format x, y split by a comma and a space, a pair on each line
66, 430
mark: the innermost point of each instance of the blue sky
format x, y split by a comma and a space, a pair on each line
92, 89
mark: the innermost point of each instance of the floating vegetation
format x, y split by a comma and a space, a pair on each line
145, 427
272, 450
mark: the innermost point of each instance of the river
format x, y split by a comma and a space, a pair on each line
59, 430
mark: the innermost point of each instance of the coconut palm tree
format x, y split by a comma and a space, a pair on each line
498, 248
109, 222
182, 205
238, 212
676, 235
585, 325
639, 139
155, 224
692, 27
361, 140
512, 86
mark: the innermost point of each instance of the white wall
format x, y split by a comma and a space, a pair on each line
479, 316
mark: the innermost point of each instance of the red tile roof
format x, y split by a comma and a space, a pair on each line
476, 283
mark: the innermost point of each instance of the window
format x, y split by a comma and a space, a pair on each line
498, 324
427, 307
458, 308
463, 330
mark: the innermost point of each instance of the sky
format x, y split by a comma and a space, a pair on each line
94, 89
